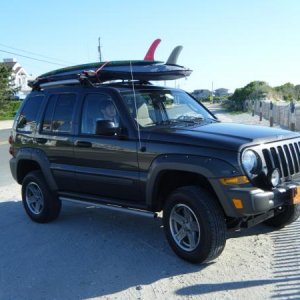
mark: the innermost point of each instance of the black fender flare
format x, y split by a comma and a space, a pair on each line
41, 159
210, 168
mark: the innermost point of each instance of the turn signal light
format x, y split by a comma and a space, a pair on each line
238, 203
234, 180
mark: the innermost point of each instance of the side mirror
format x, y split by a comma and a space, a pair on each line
106, 127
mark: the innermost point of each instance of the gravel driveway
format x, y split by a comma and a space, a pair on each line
92, 253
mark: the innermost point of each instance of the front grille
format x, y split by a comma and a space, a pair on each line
285, 157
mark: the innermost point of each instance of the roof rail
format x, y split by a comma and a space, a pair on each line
59, 82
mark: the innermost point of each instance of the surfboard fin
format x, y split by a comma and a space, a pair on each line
172, 60
150, 53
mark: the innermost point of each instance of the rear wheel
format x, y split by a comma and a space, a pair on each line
39, 203
286, 215
194, 224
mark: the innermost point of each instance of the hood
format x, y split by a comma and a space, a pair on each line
227, 136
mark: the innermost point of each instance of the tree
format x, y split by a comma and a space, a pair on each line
6, 91
297, 92
255, 90
286, 91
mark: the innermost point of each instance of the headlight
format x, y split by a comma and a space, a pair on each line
251, 162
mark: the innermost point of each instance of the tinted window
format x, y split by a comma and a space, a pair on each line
97, 107
59, 113
49, 114
27, 118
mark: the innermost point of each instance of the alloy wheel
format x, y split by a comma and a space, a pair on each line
185, 228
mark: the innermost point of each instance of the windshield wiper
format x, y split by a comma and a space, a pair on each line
178, 121
181, 120
189, 120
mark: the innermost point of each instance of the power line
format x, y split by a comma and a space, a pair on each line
25, 51
41, 60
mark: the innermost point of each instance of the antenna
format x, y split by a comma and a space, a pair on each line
135, 106
99, 50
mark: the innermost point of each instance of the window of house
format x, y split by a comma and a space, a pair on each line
59, 114
28, 117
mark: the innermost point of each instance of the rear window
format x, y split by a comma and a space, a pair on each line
27, 119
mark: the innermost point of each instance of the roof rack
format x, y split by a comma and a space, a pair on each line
87, 83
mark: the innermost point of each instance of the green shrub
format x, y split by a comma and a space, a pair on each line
9, 110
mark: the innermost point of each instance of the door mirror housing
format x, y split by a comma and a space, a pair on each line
107, 128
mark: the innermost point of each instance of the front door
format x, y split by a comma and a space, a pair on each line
106, 166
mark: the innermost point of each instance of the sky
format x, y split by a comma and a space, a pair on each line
226, 43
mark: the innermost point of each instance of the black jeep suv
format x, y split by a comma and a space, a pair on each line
141, 148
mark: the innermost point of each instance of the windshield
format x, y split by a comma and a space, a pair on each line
164, 107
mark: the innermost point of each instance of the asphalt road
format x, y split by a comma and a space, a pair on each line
5, 175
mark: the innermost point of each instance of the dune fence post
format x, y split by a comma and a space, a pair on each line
271, 114
292, 119
260, 111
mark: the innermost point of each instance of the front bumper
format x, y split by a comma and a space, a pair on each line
257, 201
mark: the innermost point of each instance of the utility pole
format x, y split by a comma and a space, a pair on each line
99, 50
212, 92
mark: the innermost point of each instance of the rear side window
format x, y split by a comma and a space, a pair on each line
28, 116
59, 113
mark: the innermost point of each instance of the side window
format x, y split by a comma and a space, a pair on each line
27, 118
47, 122
59, 114
97, 107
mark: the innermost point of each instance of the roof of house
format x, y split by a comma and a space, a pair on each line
9, 64
14, 66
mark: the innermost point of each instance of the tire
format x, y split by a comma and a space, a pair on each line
39, 203
288, 214
194, 224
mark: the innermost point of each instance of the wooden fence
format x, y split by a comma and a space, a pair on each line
284, 114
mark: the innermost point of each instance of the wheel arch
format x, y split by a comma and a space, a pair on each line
169, 172
169, 180
33, 160
24, 167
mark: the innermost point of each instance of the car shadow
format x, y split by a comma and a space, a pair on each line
256, 230
85, 253
200, 289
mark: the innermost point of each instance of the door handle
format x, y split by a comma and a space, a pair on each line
41, 140
83, 144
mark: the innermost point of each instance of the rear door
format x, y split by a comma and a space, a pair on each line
55, 137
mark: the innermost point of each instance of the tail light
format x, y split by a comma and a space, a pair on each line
11, 148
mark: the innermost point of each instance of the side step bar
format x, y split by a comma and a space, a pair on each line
112, 207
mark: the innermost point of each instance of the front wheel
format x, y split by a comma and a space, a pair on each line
286, 215
194, 224
39, 203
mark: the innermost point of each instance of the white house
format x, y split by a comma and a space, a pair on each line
19, 77
200, 94
221, 92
